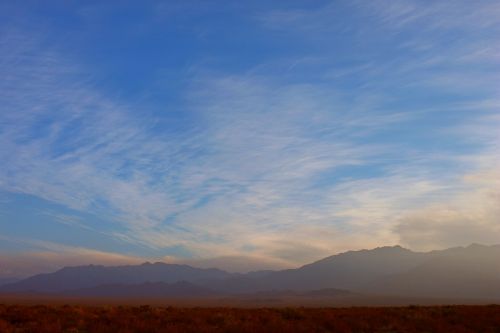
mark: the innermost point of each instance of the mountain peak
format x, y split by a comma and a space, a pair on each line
377, 250
394, 248
476, 246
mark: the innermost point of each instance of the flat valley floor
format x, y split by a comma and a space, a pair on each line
130, 319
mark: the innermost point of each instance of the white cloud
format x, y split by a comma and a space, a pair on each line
472, 216
49, 257
255, 173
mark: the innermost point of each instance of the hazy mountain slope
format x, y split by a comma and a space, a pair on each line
71, 278
349, 270
471, 272
144, 290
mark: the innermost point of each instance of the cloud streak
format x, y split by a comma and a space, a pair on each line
272, 163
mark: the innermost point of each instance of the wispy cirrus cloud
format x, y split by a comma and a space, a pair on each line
41, 256
387, 135
252, 155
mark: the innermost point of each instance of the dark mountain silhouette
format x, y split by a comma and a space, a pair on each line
4, 281
471, 272
144, 290
71, 278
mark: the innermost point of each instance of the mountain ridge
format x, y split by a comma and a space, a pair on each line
459, 272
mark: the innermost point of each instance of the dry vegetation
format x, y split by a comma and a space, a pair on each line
128, 319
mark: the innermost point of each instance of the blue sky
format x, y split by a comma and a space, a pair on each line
247, 135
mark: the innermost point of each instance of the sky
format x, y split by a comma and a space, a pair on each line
245, 134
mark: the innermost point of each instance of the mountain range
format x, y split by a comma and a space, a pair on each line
471, 272
81, 277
